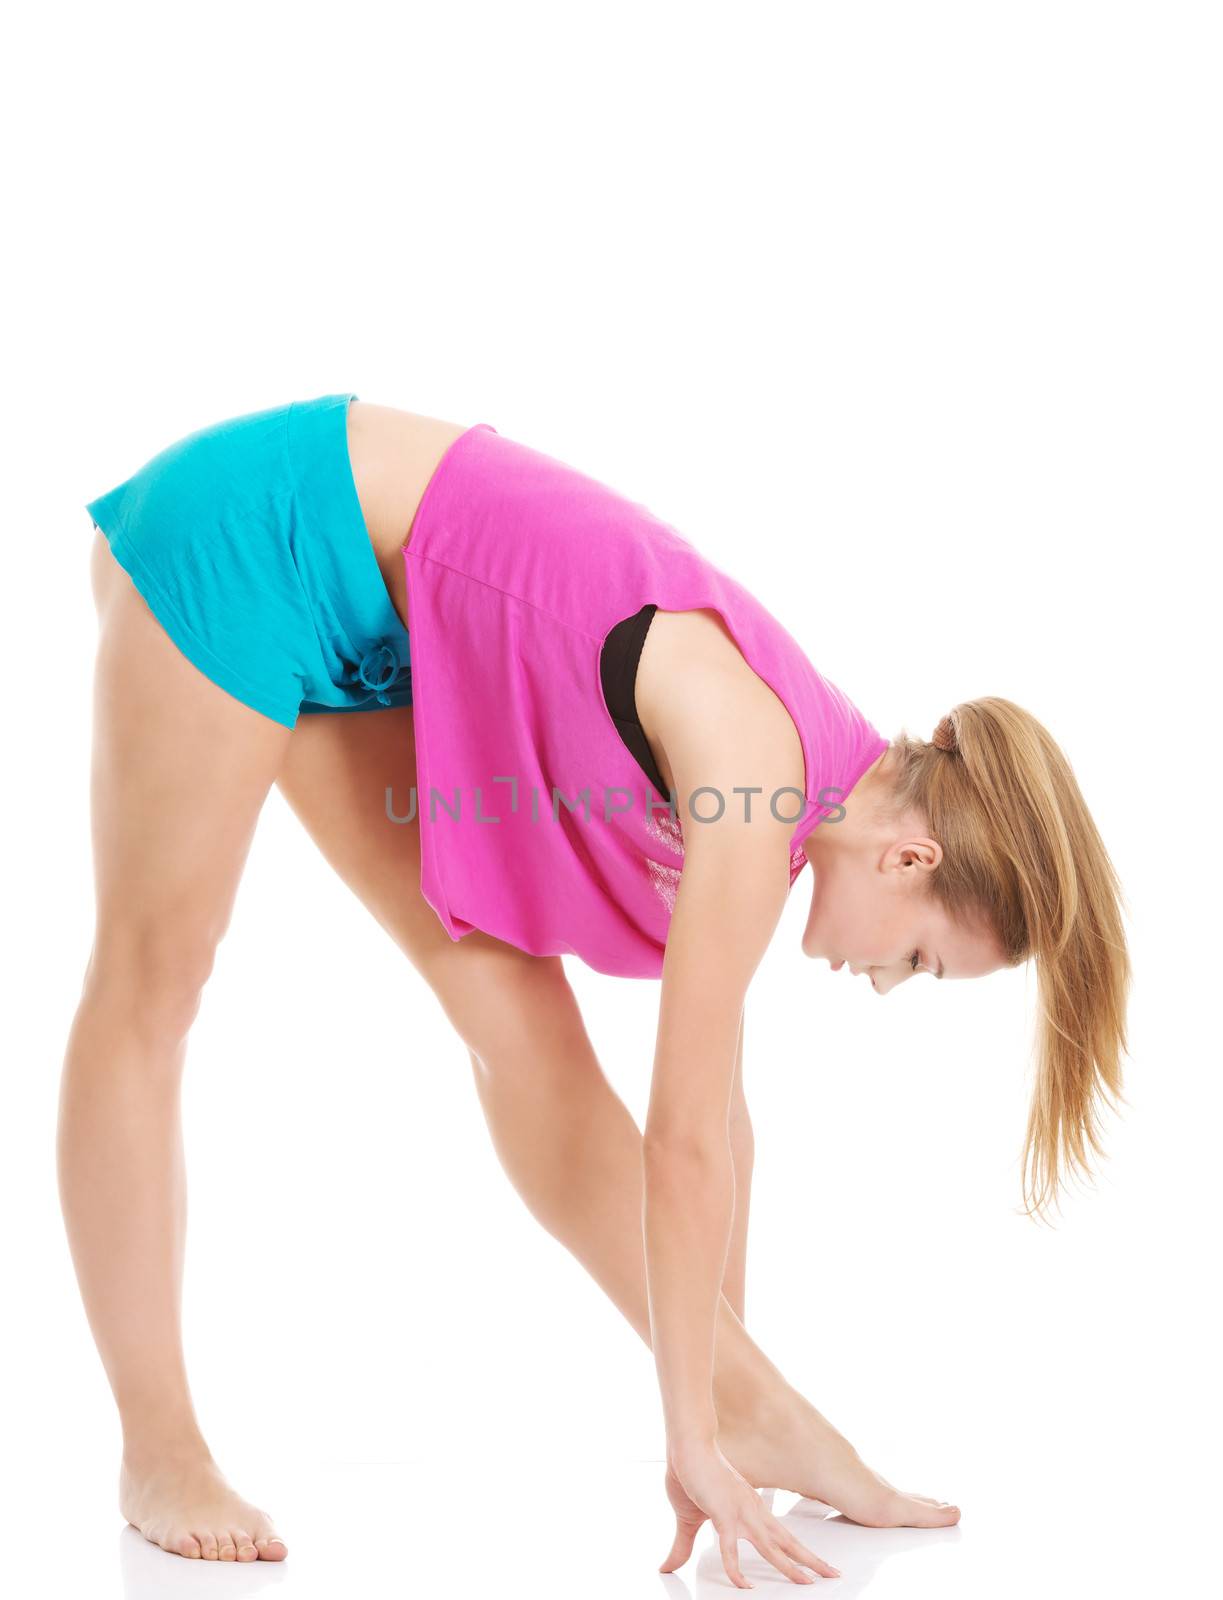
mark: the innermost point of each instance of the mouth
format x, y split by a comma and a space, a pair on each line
835, 966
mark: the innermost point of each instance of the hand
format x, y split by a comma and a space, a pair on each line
705, 1485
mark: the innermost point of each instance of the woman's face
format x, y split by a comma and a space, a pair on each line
870, 909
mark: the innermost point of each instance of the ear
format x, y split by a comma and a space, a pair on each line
920, 854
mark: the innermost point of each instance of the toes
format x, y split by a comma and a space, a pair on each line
944, 1511
269, 1546
206, 1542
925, 1513
929, 1500
898, 1510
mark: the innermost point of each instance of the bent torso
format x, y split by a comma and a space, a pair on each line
395, 453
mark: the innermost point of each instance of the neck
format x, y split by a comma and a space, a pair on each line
859, 807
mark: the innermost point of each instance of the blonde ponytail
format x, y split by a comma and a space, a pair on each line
1020, 848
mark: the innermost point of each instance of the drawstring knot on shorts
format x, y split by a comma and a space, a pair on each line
380, 667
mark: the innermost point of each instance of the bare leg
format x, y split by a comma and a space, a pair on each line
566, 1140
180, 772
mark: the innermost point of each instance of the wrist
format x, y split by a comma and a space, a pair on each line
691, 1444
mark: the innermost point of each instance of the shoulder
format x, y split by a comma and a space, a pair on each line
709, 709
677, 638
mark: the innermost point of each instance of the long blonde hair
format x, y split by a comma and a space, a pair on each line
1021, 850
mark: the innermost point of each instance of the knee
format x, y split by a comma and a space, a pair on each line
513, 1011
151, 977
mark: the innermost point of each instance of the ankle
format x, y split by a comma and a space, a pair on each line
753, 1403
148, 1449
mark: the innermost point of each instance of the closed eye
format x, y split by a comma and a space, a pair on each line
915, 960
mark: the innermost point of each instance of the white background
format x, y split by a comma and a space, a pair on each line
908, 315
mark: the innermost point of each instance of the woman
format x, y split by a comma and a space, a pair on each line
254, 577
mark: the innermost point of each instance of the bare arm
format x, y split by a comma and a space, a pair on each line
732, 891
742, 1155
733, 733
731, 895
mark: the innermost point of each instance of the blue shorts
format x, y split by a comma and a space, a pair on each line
248, 543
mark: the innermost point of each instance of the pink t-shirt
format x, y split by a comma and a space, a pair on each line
537, 825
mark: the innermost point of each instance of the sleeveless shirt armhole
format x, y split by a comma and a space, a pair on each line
618, 664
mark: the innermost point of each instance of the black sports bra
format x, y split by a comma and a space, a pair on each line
618, 671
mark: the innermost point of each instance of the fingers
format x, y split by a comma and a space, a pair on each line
740, 1514
788, 1554
681, 1547
730, 1559
799, 1551
790, 1569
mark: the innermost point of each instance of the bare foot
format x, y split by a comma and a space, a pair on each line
185, 1505
796, 1448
